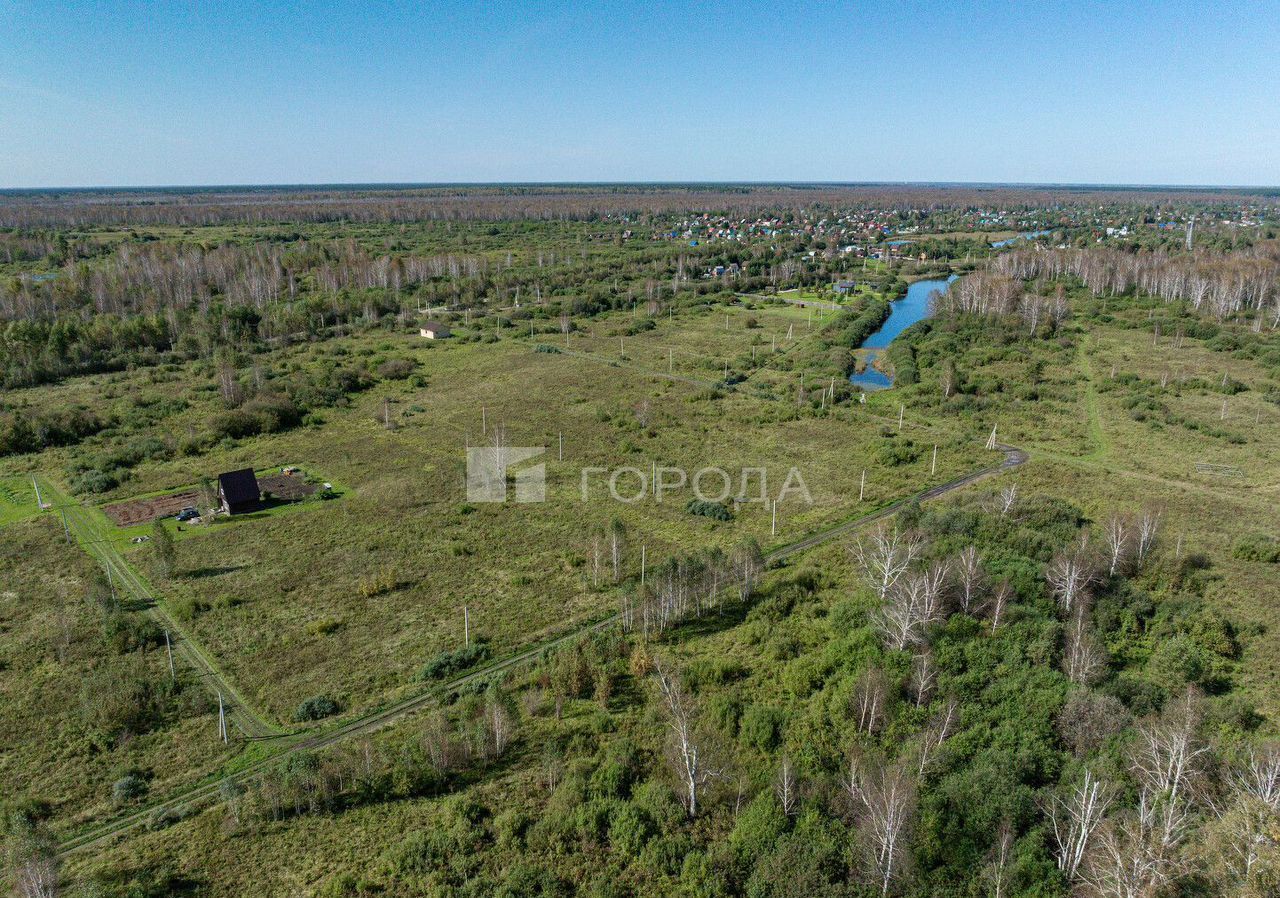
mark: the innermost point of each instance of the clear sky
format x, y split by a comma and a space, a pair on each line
105, 92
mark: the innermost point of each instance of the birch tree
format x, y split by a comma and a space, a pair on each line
970, 577
884, 556
1074, 818
869, 698
883, 797
1116, 535
686, 750
1070, 574
1083, 661
1147, 531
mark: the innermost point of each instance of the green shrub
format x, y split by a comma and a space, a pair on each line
317, 707
128, 788
1257, 547
715, 510
447, 664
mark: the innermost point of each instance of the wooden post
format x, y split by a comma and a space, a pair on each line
173, 674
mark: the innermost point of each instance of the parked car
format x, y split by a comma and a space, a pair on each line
188, 514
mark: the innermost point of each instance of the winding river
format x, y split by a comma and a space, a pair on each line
902, 314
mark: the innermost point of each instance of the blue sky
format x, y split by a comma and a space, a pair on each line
123, 93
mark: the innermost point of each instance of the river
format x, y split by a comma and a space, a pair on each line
902, 314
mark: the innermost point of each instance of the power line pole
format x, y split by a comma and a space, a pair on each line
173, 674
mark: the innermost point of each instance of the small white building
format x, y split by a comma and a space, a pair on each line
434, 330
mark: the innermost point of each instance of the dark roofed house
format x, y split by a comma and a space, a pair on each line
238, 491
434, 330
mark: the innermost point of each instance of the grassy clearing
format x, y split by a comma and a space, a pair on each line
17, 500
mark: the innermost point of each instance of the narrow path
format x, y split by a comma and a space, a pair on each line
391, 714
1098, 436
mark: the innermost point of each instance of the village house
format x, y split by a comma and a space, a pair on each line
238, 491
434, 330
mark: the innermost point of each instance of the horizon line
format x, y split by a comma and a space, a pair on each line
801, 183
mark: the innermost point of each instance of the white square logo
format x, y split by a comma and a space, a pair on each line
488, 468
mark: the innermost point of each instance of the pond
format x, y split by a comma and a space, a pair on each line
1029, 235
902, 314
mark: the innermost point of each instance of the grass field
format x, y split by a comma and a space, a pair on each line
73, 692
17, 500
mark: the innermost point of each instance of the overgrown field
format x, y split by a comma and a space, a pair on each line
90, 720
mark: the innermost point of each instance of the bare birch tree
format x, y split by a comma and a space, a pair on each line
1008, 498
884, 556
1147, 531
998, 602
1074, 817
923, 679
997, 870
1116, 537
938, 731
870, 695
686, 748
970, 578
1167, 760
1083, 661
617, 547
1070, 574
883, 797
911, 606
786, 787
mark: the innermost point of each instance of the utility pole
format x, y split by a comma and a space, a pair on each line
36, 486
562, 445
466, 627
773, 530
65, 528
902, 409
642, 565
222, 720
933, 468
173, 674
862, 485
